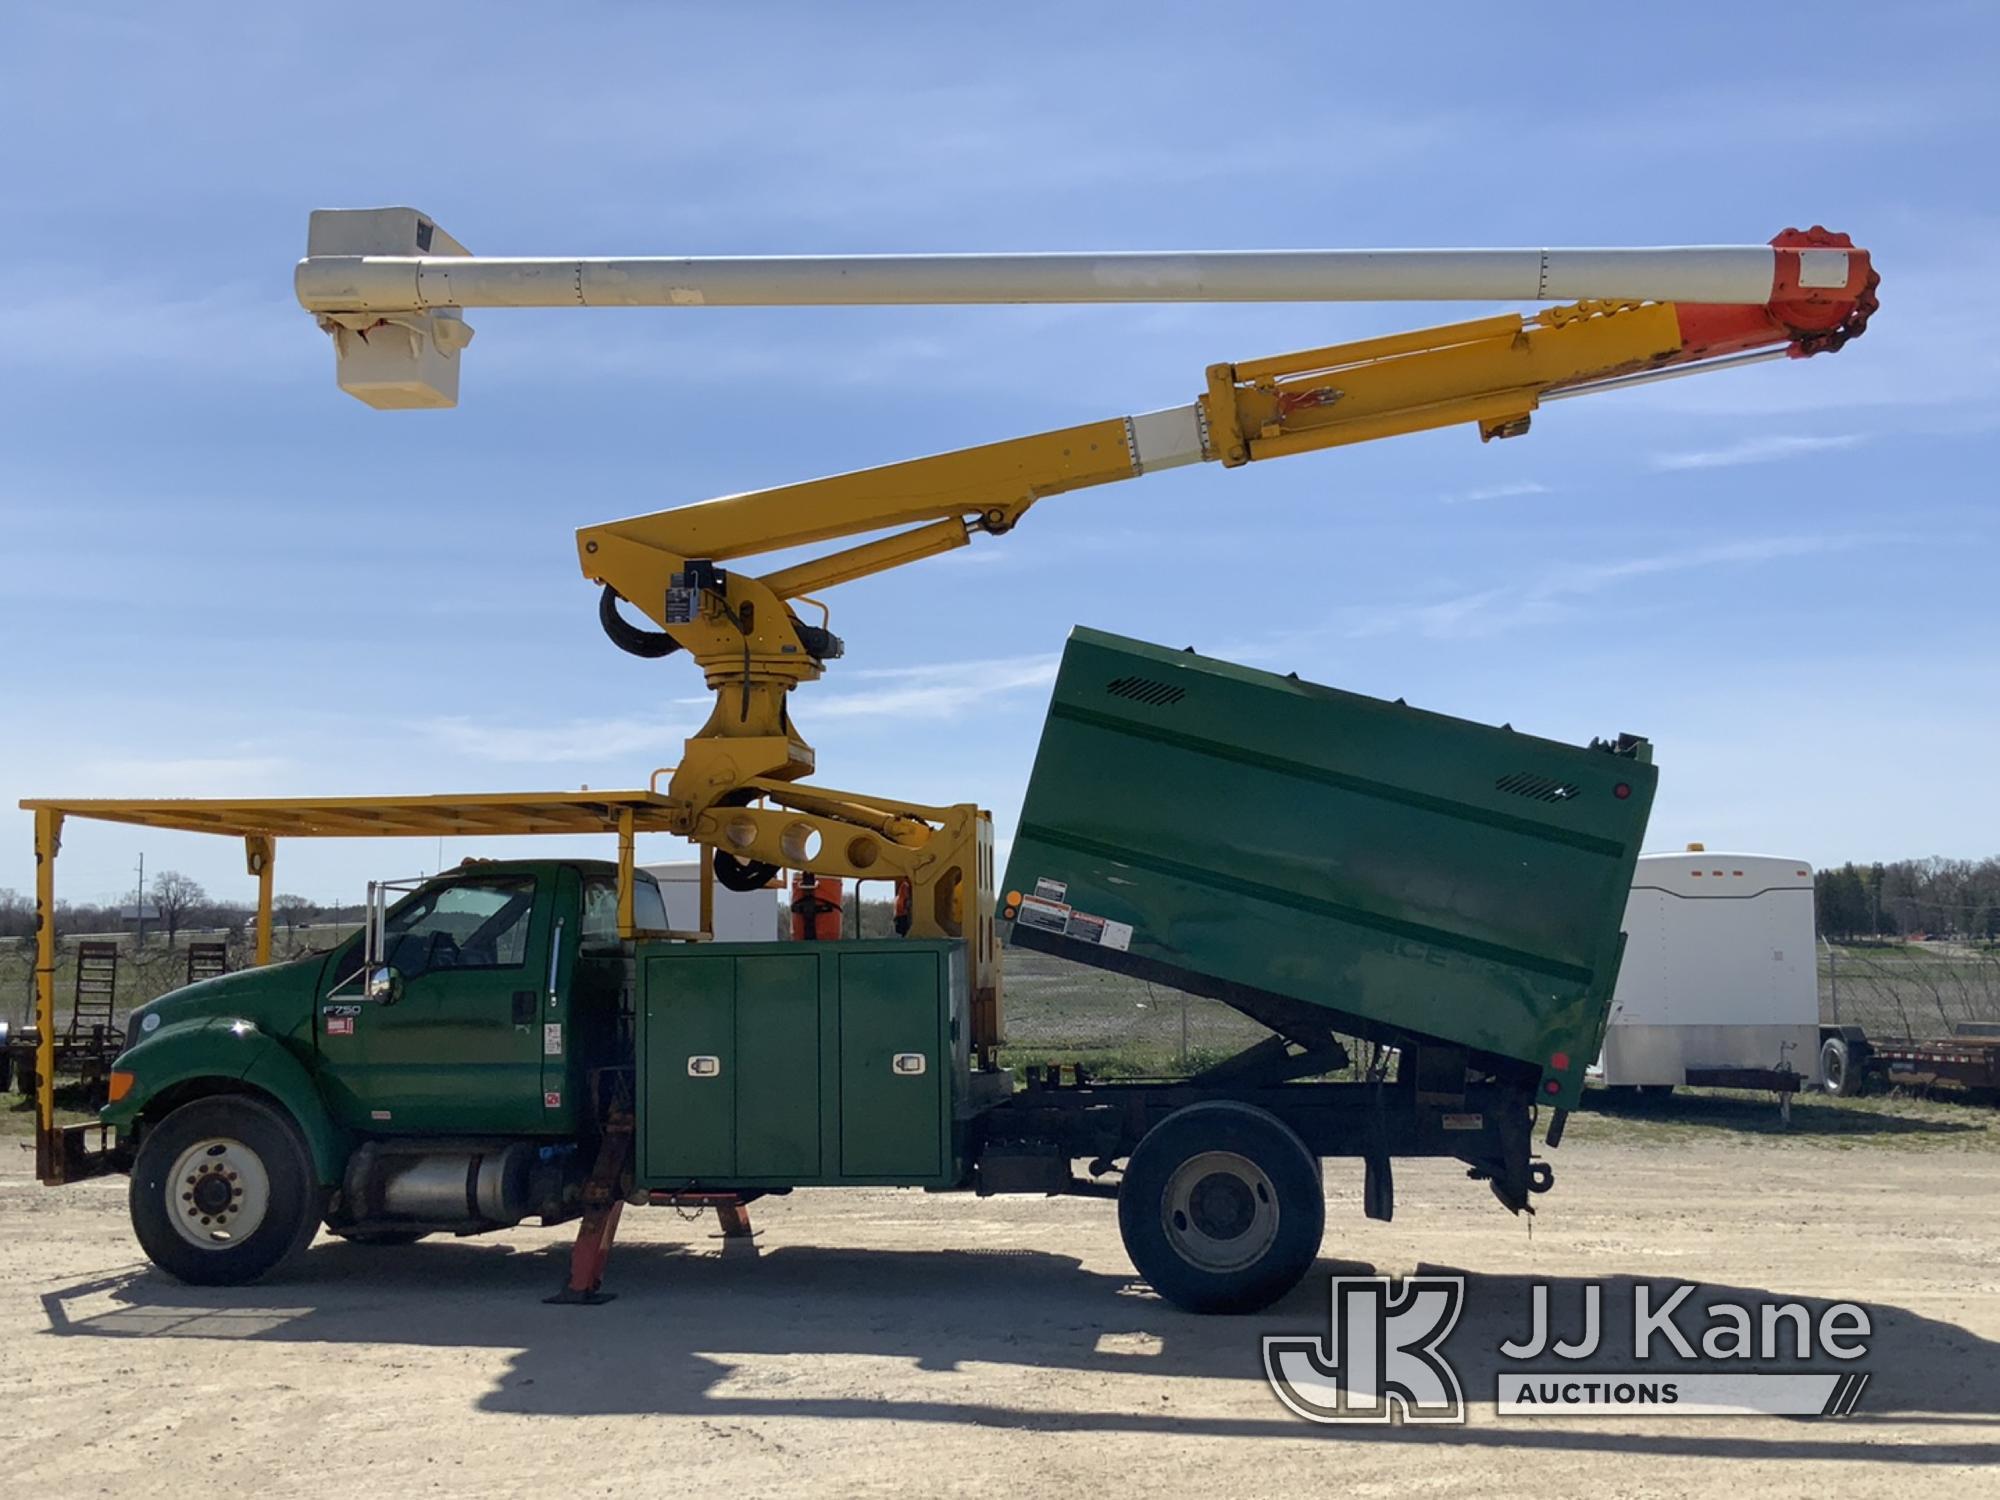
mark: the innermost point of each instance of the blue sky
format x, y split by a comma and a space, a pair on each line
220, 575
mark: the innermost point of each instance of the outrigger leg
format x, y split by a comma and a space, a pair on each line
602, 1206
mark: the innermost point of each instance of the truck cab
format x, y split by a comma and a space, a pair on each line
440, 1077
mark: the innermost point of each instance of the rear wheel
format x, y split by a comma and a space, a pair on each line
1221, 1208
223, 1192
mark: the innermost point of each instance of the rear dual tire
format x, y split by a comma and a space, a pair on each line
1221, 1208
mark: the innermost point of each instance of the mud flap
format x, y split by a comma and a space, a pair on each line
1512, 1176
1378, 1189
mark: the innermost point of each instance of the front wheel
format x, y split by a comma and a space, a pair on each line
223, 1192
1221, 1208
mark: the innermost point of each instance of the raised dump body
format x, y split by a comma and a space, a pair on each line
1275, 843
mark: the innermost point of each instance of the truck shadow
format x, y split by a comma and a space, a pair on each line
674, 1342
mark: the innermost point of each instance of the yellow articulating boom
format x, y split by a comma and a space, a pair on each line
742, 628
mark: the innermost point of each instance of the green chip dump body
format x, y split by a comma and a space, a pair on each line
1279, 844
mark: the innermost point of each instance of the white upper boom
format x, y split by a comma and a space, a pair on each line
389, 284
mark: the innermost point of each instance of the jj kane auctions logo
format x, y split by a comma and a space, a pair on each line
1381, 1356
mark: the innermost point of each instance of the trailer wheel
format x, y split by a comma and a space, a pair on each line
1221, 1208
223, 1192
1840, 1074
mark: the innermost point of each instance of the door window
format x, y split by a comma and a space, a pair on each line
600, 908
477, 923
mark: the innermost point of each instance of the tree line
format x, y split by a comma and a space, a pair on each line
172, 902
1935, 897
1910, 898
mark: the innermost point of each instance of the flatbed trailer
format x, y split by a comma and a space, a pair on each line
1967, 1061
88, 1042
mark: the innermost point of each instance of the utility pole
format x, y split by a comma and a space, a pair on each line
139, 904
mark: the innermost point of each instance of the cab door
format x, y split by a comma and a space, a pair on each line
458, 1050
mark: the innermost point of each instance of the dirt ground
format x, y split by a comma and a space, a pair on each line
889, 1342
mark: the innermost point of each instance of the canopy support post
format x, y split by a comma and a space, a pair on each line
625, 917
48, 841
258, 854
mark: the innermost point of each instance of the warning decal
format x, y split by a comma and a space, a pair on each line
1085, 929
1048, 910
1049, 916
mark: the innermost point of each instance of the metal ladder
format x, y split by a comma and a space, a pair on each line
94, 1003
207, 960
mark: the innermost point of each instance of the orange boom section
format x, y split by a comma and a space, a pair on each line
1823, 291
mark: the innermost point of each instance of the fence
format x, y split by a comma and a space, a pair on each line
1908, 990
1061, 1011
144, 972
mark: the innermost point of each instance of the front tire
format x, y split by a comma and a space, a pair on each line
1221, 1208
223, 1192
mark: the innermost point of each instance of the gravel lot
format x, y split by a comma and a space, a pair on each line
882, 1342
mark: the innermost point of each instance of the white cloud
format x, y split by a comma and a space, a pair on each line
1550, 597
189, 776
1758, 450
937, 691
149, 326
1497, 492
576, 741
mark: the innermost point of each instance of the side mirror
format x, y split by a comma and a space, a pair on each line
383, 985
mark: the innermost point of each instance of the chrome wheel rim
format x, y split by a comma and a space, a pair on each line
218, 1194
1220, 1211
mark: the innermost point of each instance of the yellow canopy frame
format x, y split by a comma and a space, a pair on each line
261, 823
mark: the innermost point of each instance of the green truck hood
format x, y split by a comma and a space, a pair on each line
278, 999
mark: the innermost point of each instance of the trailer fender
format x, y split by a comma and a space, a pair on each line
217, 1055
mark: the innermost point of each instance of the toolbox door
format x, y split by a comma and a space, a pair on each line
891, 1065
689, 1125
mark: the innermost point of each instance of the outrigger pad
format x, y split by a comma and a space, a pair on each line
568, 1296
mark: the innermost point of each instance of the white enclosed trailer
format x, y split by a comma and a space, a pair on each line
739, 916
1720, 981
